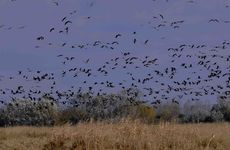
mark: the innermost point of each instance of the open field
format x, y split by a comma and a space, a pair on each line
124, 135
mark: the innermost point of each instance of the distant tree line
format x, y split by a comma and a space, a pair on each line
111, 107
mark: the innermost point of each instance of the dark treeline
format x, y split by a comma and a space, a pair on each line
85, 107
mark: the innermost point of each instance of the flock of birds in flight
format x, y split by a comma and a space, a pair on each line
206, 65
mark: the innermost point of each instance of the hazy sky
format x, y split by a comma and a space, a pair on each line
22, 21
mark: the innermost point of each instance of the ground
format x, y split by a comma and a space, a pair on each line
124, 135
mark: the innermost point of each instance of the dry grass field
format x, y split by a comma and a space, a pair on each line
126, 135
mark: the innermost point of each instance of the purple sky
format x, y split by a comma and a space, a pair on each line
22, 21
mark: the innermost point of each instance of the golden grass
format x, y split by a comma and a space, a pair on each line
126, 135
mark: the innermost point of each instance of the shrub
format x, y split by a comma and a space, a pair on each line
72, 116
2, 118
145, 113
27, 112
168, 111
221, 109
196, 112
216, 114
84, 107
